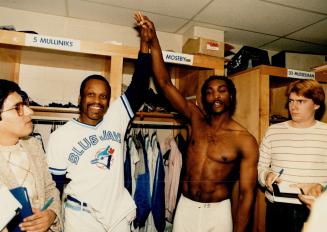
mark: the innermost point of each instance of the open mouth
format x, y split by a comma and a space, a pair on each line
218, 103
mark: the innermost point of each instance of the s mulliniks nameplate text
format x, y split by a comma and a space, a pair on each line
52, 42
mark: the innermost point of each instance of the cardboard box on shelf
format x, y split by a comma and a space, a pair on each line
204, 46
298, 61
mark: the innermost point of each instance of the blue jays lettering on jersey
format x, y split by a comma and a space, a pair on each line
87, 142
92, 157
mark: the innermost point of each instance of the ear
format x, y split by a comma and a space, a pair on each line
79, 100
316, 107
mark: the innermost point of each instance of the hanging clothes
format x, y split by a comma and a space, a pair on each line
152, 180
142, 195
128, 165
158, 193
172, 176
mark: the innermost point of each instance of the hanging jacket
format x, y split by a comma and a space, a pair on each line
172, 177
142, 195
127, 165
158, 192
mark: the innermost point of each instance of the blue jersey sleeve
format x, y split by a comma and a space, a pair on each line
137, 90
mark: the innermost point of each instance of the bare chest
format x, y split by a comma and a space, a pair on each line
219, 146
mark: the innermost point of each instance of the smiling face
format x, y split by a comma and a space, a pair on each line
13, 126
94, 102
217, 97
302, 109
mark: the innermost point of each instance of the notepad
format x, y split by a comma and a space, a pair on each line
9, 206
21, 195
286, 194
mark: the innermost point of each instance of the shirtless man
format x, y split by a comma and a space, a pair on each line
220, 152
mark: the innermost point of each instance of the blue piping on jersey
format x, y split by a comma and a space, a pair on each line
87, 125
127, 106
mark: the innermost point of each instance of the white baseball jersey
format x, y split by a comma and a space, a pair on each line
92, 157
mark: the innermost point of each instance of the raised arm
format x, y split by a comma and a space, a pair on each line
162, 76
137, 90
248, 180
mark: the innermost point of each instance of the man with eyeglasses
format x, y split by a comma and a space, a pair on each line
19, 107
22, 160
298, 147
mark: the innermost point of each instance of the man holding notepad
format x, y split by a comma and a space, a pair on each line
24, 169
293, 154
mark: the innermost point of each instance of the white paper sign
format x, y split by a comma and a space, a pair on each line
177, 58
292, 73
52, 42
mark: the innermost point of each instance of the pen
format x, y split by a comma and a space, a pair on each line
47, 204
278, 175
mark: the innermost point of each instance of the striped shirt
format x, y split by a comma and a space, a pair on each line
301, 152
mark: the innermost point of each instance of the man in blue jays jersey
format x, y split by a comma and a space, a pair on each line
89, 152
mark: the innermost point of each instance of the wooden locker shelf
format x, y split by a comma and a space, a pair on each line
108, 59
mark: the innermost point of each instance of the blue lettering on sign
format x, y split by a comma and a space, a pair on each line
177, 58
302, 74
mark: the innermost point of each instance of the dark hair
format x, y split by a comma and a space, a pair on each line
310, 89
231, 90
93, 77
6, 88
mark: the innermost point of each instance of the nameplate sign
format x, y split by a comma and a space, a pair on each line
292, 73
52, 42
177, 58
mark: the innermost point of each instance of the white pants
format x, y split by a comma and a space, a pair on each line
82, 221
203, 217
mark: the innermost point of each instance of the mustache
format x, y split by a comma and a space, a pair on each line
219, 101
211, 103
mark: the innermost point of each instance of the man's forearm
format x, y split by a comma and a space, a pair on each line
158, 64
244, 212
144, 47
